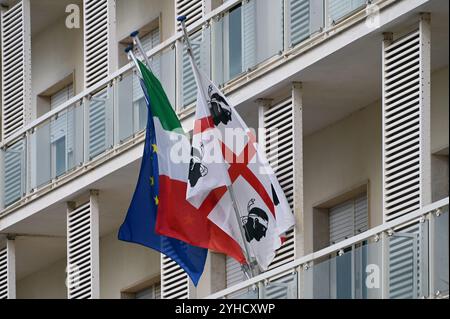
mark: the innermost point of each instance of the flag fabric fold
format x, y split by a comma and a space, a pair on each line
176, 219
264, 212
140, 222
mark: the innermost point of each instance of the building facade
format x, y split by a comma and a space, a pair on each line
352, 99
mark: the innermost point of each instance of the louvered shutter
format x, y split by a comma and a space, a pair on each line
279, 147
305, 18
99, 28
3, 273
338, 9
16, 67
82, 251
348, 219
100, 122
174, 280
59, 126
13, 170
192, 9
200, 47
406, 131
299, 20
249, 35
406, 252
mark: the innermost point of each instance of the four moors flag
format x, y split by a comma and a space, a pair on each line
159, 215
225, 155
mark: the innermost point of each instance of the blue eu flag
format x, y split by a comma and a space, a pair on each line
139, 224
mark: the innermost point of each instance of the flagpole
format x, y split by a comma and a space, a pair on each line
247, 269
135, 36
131, 56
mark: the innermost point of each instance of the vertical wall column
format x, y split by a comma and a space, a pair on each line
297, 109
83, 273
100, 56
15, 68
406, 121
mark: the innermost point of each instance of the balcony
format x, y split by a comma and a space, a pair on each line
401, 259
109, 118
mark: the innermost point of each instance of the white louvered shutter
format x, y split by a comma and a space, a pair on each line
59, 126
406, 131
99, 31
299, 20
407, 280
82, 251
348, 219
200, 48
279, 148
3, 273
14, 168
249, 54
16, 67
194, 10
174, 280
305, 18
338, 9
100, 122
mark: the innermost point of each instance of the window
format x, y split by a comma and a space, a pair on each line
148, 289
150, 37
153, 292
58, 132
348, 219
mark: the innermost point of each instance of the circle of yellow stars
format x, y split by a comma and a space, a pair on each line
152, 178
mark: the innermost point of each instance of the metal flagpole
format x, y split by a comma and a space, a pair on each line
247, 269
138, 43
131, 56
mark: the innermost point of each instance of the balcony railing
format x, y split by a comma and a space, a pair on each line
403, 258
230, 43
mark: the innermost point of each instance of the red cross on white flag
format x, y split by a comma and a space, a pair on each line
225, 154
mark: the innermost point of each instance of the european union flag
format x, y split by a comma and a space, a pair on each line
139, 224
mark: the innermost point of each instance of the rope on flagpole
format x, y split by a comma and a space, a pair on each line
247, 269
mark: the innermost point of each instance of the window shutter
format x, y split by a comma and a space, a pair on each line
405, 263
98, 38
200, 48
234, 274
406, 154
299, 20
341, 222
348, 219
59, 125
82, 251
338, 9
16, 67
279, 148
192, 9
248, 34
3, 273
100, 126
174, 280
14, 168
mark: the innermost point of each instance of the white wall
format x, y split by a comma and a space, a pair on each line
123, 265
47, 283
339, 158
56, 52
439, 110
132, 15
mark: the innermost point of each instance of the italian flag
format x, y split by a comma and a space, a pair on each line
176, 217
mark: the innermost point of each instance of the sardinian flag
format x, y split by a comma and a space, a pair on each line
225, 153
